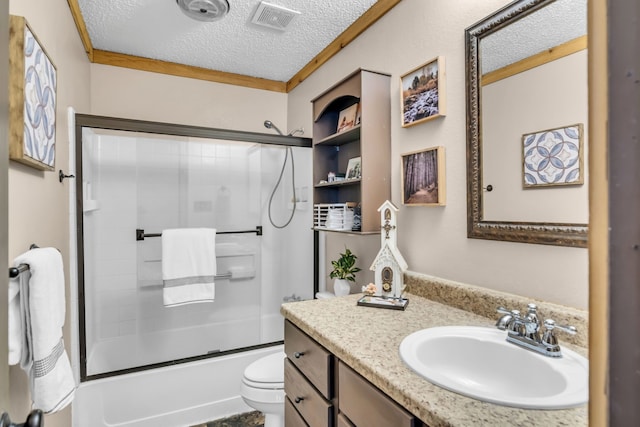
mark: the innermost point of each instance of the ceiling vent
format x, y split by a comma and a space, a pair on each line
273, 16
204, 10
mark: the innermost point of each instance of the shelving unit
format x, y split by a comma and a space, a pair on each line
369, 139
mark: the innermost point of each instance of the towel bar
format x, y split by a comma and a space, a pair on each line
140, 234
34, 419
15, 271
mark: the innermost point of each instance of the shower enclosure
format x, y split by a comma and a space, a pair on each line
135, 179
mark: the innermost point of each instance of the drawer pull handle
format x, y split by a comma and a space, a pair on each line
298, 354
299, 399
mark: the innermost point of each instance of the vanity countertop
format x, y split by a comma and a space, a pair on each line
368, 339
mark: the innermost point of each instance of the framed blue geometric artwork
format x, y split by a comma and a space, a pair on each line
553, 157
32, 98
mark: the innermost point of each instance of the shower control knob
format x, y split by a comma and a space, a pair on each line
298, 354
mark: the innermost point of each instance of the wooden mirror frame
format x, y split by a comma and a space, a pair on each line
546, 233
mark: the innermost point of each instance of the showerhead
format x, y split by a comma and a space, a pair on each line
269, 125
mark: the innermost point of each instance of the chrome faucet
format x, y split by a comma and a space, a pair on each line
525, 330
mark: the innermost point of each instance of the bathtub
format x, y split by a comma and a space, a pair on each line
182, 395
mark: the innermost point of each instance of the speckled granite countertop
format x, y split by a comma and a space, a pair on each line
367, 339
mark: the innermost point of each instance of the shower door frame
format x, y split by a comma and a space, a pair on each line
158, 128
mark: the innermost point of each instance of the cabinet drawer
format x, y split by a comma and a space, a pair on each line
313, 360
291, 417
365, 405
315, 410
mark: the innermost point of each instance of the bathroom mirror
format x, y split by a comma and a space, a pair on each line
526, 76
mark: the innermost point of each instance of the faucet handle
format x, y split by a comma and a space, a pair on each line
549, 336
503, 310
513, 313
551, 325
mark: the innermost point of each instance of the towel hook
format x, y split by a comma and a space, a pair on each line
62, 176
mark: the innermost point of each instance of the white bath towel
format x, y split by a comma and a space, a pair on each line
37, 302
188, 265
15, 322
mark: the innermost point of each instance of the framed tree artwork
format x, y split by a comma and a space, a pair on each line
423, 178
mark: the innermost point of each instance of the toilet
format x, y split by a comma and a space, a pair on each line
262, 388
324, 295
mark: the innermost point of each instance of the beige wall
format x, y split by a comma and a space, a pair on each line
38, 203
434, 240
121, 92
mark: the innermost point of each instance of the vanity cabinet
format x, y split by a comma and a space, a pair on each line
308, 380
323, 391
366, 95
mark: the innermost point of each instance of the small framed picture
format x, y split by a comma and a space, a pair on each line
423, 94
423, 178
347, 118
354, 168
553, 157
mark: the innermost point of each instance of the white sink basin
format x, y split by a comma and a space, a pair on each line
478, 362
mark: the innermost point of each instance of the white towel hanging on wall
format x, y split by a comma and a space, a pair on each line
37, 302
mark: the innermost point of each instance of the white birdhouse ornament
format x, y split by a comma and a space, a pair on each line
389, 265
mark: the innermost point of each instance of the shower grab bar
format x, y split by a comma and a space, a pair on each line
221, 276
140, 234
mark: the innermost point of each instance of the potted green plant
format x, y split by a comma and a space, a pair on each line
343, 272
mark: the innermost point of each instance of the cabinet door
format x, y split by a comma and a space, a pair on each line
365, 405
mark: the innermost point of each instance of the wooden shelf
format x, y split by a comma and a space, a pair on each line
341, 138
359, 233
338, 183
370, 140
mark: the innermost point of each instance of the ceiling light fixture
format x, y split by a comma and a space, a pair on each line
204, 10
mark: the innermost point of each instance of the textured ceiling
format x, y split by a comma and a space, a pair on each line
157, 29
557, 23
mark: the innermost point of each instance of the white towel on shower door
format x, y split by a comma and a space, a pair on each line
41, 305
188, 265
